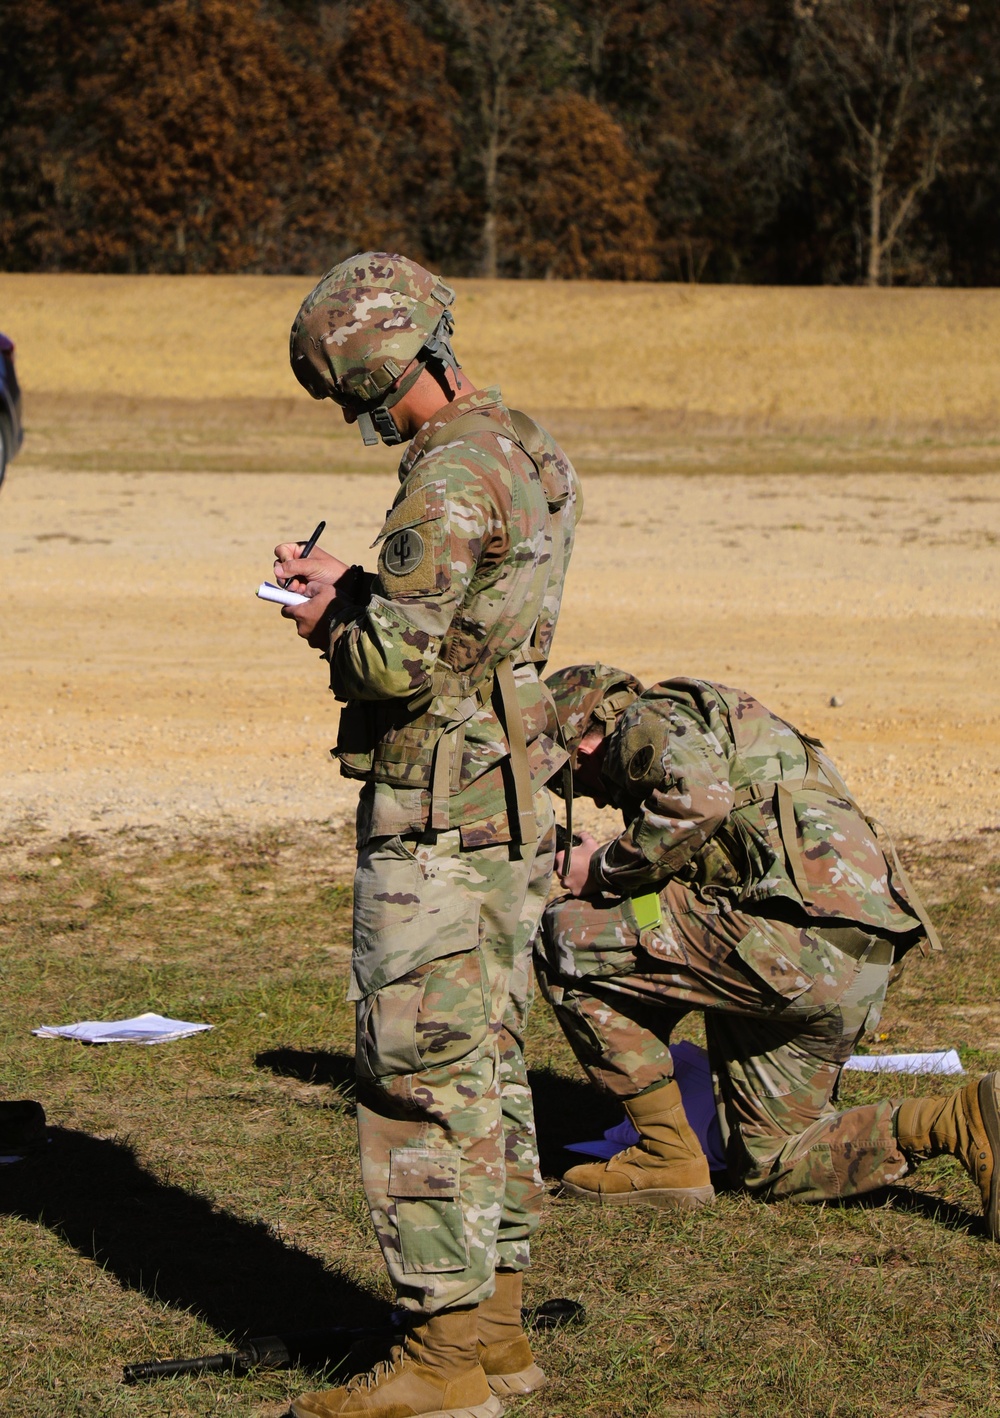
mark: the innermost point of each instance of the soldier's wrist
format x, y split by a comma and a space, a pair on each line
596, 877
354, 586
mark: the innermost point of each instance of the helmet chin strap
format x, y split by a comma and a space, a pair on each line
436, 355
385, 425
378, 423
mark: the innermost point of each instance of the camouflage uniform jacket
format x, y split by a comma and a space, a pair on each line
716, 789
470, 573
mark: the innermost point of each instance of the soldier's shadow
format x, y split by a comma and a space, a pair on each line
176, 1246
935, 1208
313, 1066
566, 1109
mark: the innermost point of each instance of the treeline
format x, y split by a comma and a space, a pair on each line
776, 141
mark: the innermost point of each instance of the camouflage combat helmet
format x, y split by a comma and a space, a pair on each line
588, 697
366, 322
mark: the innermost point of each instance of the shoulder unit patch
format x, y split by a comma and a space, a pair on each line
403, 552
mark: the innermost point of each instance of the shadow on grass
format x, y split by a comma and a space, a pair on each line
566, 1109
935, 1208
175, 1246
311, 1067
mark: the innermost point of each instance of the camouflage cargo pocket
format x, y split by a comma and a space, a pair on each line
587, 940
424, 1185
400, 920
797, 963
434, 1015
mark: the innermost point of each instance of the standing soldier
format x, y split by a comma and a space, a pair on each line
748, 884
436, 658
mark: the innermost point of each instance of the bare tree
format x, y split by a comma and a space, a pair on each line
505, 54
885, 70
592, 22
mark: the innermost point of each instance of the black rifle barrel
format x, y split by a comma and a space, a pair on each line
238, 1361
315, 1347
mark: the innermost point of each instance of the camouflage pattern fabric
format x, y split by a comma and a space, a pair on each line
585, 696
472, 556
466, 572
784, 1008
363, 323
441, 974
692, 763
564, 496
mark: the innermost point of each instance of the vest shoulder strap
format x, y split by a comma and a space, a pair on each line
472, 422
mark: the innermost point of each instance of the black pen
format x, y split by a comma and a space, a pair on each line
307, 548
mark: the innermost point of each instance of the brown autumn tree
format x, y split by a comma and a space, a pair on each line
49, 55
577, 198
179, 136
886, 72
504, 57
401, 139
206, 135
699, 89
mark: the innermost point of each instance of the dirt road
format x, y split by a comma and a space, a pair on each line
144, 684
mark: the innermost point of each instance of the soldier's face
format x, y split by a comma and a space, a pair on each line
587, 777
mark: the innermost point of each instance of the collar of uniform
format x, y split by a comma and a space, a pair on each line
465, 404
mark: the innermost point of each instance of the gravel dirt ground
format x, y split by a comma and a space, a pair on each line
144, 685
793, 490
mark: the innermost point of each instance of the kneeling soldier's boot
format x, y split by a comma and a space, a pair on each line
966, 1126
503, 1347
666, 1167
435, 1371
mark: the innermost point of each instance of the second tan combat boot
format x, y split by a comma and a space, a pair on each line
966, 1126
503, 1347
434, 1372
666, 1167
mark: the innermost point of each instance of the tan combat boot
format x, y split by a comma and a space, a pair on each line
435, 1371
666, 1167
503, 1347
966, 1126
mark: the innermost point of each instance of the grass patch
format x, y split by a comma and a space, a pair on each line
109, 433
206, 1189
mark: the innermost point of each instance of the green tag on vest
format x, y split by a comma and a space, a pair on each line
647, 910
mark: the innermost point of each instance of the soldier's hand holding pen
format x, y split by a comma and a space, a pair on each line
306, 568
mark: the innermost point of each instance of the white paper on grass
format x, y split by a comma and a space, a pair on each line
946, 1061
143, 1029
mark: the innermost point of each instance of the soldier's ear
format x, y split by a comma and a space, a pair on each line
592, 741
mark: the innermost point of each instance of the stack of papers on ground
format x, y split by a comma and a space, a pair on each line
947, 1061
143, 1029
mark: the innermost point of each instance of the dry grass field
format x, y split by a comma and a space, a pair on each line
843, 359
792, 490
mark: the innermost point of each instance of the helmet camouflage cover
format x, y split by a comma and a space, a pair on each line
587, 697
365, 322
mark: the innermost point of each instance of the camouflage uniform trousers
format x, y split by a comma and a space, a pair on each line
784, 1009
442, 977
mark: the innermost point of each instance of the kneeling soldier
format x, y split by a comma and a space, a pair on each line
748, 884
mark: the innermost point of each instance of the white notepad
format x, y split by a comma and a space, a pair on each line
267, 591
